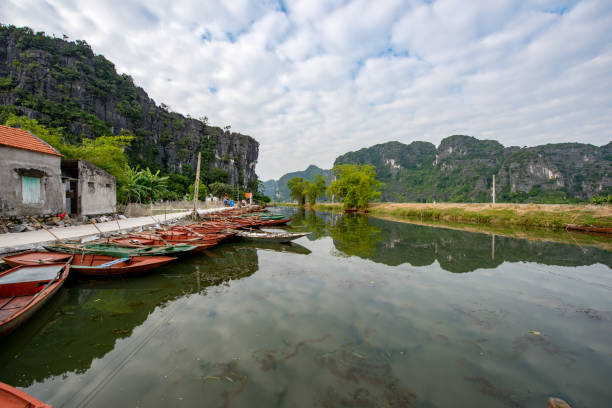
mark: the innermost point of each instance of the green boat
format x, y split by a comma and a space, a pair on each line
120, 251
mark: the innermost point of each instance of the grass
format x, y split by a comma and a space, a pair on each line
549, 216
540, 222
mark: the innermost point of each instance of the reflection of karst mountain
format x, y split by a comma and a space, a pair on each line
88, 317
394, 243
461, 251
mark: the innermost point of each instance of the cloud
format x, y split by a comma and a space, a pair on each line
311, 80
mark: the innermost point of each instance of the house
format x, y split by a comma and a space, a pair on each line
30, 182
35, 180
89, 190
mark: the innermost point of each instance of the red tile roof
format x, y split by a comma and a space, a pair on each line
22, 139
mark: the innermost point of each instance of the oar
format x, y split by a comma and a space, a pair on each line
96, 225
48, 230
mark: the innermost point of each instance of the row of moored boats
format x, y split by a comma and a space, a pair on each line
36, 275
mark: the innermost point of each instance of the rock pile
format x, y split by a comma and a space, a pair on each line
21, 224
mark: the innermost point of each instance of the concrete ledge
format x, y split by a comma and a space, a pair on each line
23, 241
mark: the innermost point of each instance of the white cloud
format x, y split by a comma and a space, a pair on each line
311, 80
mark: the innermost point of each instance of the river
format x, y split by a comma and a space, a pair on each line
362, 312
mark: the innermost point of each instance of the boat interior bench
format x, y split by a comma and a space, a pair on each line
26, 281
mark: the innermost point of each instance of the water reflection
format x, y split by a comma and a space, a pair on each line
393, 243
88, 317
331, 322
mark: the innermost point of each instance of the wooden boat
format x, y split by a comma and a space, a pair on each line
261, 236
36, 258
588, 228
109, 266
151, 247
122, 251
25, 289
275, 222
199, 245
13, 398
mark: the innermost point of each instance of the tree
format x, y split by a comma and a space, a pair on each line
154, 185
131, 190
202, 191
221, 189
298, 185
355, 184
315, 188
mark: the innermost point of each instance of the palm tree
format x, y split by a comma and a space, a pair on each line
155, 186
132, 190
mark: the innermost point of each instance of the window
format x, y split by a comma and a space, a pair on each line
30, 189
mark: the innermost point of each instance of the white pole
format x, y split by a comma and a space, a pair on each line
196, 188
493, 192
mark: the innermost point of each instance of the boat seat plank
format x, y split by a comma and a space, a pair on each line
5, 301
32, 274
17, 302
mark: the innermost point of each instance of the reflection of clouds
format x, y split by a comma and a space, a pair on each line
421, 324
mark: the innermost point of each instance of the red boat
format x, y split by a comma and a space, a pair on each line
25, 289
13, 398
158, 240
110, 266
36, 258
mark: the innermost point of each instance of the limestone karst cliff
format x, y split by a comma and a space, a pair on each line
64, 84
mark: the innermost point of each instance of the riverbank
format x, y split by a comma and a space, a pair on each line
549, 216
27, 240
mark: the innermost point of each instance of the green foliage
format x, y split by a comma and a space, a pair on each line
52, 136
6, 82
221, 189
178, 186
202, 191
356, 185
154, 186
130, 109
131, 190
218, 175
315, 189
601, 199
106, 152
297, 187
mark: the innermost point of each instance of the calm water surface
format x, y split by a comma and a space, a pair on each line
362, 312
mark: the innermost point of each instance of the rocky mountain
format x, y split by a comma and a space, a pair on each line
277, 190
461, 169
64, 84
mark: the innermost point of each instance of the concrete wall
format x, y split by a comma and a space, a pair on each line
16, 163
97, 190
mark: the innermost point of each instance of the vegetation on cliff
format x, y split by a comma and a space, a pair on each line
66, 87
461, 169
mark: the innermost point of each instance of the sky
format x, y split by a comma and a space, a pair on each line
311, 80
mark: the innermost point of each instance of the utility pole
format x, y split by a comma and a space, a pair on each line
196, 188
493, 189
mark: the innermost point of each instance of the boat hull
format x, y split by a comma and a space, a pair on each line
92, 265
36, 258
13, 398
25, 300
269, 237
